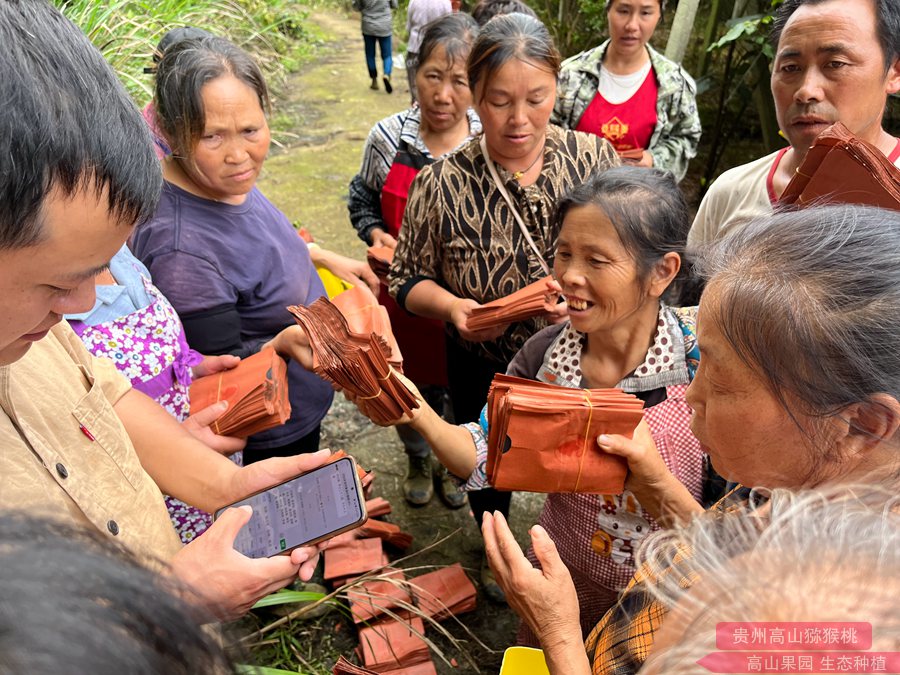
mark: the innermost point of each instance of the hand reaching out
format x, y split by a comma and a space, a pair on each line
199, 425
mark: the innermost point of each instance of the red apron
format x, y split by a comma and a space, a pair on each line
421, 340
628, 125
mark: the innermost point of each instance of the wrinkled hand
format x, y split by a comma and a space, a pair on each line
199, 426
459, 316
215, 364
648, 475
382, 238
544, 598
225, 584
355, 272
293, 343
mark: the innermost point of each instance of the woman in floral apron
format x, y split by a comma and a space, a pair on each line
133, 325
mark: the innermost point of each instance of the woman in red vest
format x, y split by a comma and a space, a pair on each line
396, 150
625, 91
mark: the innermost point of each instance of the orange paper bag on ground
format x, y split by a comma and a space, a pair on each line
424, 668
379, 506
371, 598
392, 645
840, 168
387, 532
445, 592
542, 437
344, 667
356, 557
256, 391
523, 304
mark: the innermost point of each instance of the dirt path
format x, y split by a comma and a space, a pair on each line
334, 110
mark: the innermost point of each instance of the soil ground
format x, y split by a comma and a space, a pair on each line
328, 110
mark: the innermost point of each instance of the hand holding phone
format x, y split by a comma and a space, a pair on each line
302, 510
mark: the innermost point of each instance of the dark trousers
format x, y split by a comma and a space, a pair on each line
303, 445
469, 377
384, 44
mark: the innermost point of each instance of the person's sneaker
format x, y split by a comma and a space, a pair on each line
447, 489
387, 84
418, 488
374, 84
489, 584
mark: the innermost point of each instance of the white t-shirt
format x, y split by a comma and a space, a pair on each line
737, 196
617, 89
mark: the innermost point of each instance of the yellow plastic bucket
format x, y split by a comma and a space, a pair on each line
523, 661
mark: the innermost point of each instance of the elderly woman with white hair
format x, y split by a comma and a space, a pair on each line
798, 387
823, 556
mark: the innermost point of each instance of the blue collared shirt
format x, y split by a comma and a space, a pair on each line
125, 297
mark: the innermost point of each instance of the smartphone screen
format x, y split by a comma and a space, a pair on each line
323, 501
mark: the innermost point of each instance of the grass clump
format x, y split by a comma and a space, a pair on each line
126, 32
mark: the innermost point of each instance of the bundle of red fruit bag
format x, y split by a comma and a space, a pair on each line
523, 304
543, 438
379, 259
357, 363
840, 168
256, 391
365, 315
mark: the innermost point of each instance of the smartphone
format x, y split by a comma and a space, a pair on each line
304, 510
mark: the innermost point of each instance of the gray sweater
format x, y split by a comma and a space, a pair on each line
376, 16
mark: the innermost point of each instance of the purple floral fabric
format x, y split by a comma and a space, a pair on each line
148, 346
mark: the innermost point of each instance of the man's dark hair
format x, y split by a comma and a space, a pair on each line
887, 24
66, 123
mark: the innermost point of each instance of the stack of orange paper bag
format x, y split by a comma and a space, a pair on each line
379, 259
387, 532
635, 154
364, 316
542, 438
444, 593
256, 391
379, 506
389, 646
358, 364
353, 559
523, 304
344, 667
372, 599
841, 168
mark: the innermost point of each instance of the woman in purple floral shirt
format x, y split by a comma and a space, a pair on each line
134, 326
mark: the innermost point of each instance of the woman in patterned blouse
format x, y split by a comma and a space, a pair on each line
460, 245
621, 238
798, 388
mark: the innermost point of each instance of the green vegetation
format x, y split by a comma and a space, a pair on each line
126, 32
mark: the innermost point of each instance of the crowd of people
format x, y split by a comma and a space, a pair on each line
761, 482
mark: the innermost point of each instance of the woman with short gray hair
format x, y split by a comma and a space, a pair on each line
798, 387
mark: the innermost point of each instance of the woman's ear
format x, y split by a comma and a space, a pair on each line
663, 273
871, 422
